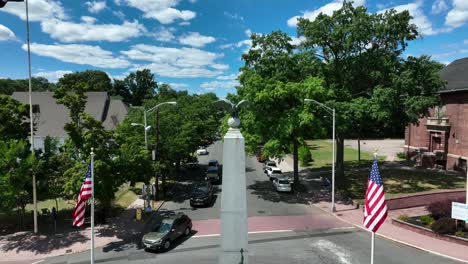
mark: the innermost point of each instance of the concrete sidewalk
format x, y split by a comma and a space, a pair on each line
351, 215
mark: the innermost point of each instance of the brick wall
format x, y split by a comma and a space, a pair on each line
423, 199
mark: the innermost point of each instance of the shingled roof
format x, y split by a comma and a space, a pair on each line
53, 117
456, 75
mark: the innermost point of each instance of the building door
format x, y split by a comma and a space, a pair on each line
436, 142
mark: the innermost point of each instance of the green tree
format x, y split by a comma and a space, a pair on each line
15, 118
277, 79
38, 84
90, 80
136, 87
361, 55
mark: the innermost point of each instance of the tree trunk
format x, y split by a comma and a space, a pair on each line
339, 180
56, 205
296, 162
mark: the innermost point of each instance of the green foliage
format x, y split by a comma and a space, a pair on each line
136, 87
38, 84
90, 80
14, 116
426, 220
404, 217
401, 155
374, 90
460, 233
444, 225
305, 156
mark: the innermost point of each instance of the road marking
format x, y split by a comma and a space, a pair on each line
328, 246
253, 232
343, 228
39, 261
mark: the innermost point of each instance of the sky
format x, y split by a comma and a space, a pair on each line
193, 45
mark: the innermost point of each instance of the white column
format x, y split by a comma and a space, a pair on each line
234, 236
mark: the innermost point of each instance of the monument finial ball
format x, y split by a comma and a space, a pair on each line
233, 122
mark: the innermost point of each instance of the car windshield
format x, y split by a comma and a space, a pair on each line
273, 164
211, 164
163, 228
201, 189
276, 172
283, 181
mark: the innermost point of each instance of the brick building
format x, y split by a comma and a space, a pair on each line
441, 140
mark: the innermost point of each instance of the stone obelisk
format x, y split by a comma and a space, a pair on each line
234, 236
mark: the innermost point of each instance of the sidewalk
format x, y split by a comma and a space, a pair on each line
350, 214
24, 246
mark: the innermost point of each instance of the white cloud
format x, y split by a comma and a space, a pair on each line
234, 16
89, 31
79, 54
297, 40
6, 33
96, 6
213, 85
326, 9
163, 35
88, 19
243, 43
178, 85
176, 62
194, 39
52, 76
184, 23
39, 10
161, 10
439, 6
232, 76
419, 19
458, 15
119, 14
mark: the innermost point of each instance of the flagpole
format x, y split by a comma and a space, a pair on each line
31, 125
92, 205
373, 233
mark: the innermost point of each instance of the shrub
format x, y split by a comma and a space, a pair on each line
426, 220
401, 155
442, 208
304, 155
444, 225
403, 217
460, 233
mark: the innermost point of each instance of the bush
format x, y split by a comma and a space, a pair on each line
426, 220
460, 234
401, 155
304, 155
444, 225
403, 217
442, 208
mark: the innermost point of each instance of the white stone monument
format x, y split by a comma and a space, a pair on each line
234, 232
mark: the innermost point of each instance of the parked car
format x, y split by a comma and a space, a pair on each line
162, 235
213, 163
273, 173
202, 151
213, 174
202, 194
282, 184
267, 164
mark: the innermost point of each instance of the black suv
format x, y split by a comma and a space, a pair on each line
202, 194
163, 234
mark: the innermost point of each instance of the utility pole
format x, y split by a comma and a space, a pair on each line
156, 184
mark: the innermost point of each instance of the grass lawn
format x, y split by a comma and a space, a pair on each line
398, 182
126, 196
62, 204
322, 152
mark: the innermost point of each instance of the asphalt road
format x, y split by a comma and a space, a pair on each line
283, 228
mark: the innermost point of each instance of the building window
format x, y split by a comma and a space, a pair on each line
440, 111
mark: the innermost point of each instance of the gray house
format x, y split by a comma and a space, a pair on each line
52, 117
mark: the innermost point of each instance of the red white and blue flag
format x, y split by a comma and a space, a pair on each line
3, 2
85, 193
375, 211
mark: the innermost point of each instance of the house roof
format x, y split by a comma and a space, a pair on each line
456, 75
53, 117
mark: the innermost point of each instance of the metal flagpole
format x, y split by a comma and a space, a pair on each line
372, 248
92, 206
333, 166
373, 233
31, 117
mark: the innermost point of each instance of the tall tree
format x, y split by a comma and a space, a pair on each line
361, 56
277, 79
38, 84
15, 118
136, 87
91, 80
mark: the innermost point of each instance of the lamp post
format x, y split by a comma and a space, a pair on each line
156, 108
331, 111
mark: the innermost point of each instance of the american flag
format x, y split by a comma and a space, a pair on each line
84, 195
375, 211
3, 2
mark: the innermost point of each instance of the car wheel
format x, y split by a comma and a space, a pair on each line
187, 231
167, 245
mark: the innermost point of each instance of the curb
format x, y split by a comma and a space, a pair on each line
390, 238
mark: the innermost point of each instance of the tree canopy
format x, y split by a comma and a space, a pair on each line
90, 80
136, 87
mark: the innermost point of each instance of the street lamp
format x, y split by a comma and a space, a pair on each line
147, 128
156, 108
330, 111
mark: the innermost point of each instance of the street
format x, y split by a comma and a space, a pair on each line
283, 228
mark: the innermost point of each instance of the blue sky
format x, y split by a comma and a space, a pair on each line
194, 45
